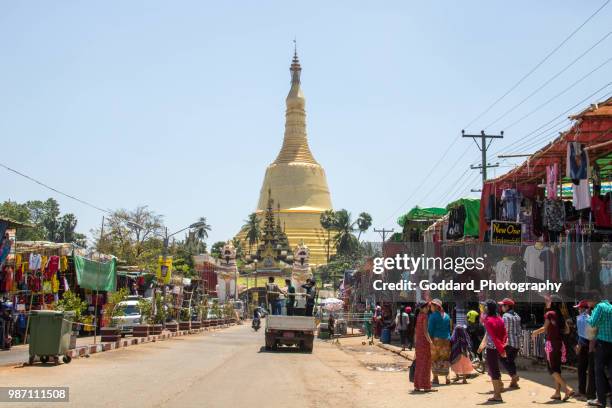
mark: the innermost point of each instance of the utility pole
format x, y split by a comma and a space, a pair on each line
383, 233
483, 147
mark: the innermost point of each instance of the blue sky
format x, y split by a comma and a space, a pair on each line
180, 105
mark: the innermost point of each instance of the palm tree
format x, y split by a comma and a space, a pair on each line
253, 230
364, 222
201, 232
344, 239
328, 222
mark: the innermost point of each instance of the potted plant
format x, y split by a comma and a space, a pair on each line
228, 313
185, 319
160, 315
144, 328
167, 304
71, 302
216, 312
112, 311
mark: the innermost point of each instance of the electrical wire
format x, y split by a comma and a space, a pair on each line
54, 189
557, 95
553, 78
538, 65
454, 142
562, 114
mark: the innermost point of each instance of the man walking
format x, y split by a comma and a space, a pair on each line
585, 352
512, 321
601, 319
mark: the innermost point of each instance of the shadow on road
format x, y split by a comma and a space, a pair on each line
294, 350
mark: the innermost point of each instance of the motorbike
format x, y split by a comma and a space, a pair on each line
256, 323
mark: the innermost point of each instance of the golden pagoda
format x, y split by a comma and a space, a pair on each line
296, 181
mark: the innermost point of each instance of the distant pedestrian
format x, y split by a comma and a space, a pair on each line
378, 321
402, 321
512, 322
411, 324
585, 352
311, 293
461, 345
422, 350
290, 299
555, 329
601, 319
439, 326
368, 315
494, 341
273, 294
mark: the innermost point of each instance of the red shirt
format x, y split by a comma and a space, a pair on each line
600, 207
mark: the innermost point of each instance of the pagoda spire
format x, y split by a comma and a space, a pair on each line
295, 147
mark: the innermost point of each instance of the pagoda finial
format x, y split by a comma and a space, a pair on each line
296, 68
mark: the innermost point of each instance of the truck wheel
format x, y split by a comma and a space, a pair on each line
67, 359
31, 360
44, 359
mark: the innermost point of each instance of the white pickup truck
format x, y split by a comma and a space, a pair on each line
290, 331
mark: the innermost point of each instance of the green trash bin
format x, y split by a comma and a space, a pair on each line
50, 332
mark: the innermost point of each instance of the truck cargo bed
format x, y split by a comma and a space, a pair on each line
300, 323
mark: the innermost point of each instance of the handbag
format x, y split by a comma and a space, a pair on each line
411, 371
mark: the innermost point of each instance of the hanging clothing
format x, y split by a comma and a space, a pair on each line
503, 270
552, 177
600, 207
581, 194
577, 167
63, 263
511, 202
535, 262
554, 215
35, 262
53, 264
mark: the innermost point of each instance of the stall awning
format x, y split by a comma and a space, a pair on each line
472, 215
96, 275
593, 127
421, 214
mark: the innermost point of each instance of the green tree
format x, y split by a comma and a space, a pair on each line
252, 225
216, 249
134, 236
328, 223
364, 222
49, 224
344, 240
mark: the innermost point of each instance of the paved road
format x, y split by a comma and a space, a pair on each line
228, 368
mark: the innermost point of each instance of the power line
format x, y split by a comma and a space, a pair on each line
520, 81
54, 189
558, 95
552, 79
454, 142
561, 114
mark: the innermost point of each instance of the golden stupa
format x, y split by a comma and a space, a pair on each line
295, 181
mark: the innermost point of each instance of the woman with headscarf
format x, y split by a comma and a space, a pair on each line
422, 350
555, 329
460, 353
367, 324
439, 331
378, 321
494, 341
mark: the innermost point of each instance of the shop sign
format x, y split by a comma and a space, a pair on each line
505, 233
164, 269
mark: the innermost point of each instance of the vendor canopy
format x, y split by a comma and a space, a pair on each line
592, 127
423, 214
472, 214
96, 275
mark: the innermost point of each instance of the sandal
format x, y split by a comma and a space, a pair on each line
555, 397
569, 395
430, 390
493, 399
